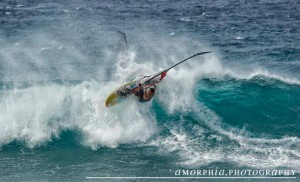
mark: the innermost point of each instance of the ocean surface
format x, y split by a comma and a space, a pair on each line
236, 108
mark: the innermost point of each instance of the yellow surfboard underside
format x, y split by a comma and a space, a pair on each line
114, 98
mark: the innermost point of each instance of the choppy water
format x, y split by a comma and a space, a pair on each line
238, 107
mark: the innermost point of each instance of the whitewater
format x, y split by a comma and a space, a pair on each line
237, 107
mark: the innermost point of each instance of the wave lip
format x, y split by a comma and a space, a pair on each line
264, 73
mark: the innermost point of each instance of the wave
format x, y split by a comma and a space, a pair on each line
38, 113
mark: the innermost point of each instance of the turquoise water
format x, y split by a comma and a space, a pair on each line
236, 108
260, 103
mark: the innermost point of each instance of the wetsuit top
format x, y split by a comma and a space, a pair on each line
140, 94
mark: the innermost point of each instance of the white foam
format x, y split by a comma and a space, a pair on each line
25, 114
37, 114
229, 144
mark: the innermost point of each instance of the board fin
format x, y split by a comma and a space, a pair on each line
122, 43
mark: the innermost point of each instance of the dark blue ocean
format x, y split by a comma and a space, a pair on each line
235, 108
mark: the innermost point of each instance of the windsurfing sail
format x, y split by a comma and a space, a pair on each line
163, 73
